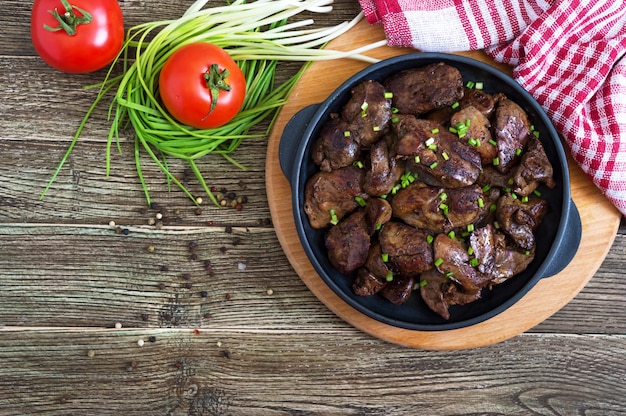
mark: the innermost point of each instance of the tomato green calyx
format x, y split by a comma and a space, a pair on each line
216, 82
68, 21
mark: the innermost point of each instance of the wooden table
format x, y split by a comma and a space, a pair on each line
125, 319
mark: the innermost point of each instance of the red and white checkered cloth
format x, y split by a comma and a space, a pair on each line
570, 55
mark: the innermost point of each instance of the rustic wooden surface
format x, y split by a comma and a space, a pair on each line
248, 338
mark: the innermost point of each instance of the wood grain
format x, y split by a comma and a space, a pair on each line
246, 372
600, 223
260, 342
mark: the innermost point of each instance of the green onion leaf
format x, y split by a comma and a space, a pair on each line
257, 35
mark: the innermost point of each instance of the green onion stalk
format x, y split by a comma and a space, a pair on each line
257, 35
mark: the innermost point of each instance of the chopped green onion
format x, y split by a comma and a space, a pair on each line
453, 130
496, 224
481, 203
470, 227
479, 85
445, 156
451, 234
525, 199
433, 165
449, 275
378, 226
333, 217
496, 161
394, 110
474, 262
430, 141
359, 200
470, 84
376, 128
493, 142
389, 276
423, 283
358, 164
346, 133
443, 196
388, 94
444, 208
394, 120
435, 131
385, 257
455, 105
470, 251
537, 193
536, 133
486, 188
493, 207
430, 239
527, 253
438, 262
518, 152
364, 108
417, 159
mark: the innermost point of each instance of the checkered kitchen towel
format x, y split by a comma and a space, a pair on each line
570, 54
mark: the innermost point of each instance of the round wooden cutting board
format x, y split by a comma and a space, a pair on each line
600, 221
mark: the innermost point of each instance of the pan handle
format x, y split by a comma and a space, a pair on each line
290, 139
570, 240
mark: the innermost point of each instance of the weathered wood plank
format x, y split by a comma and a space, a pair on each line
84, 194
16, 19
338, 372
62, 276
94, 276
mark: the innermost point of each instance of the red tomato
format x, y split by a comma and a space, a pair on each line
94, 44
202, 86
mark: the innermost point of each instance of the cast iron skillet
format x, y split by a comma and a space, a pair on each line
557, 239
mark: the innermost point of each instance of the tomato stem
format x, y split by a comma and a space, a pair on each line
68, 20
215, 82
